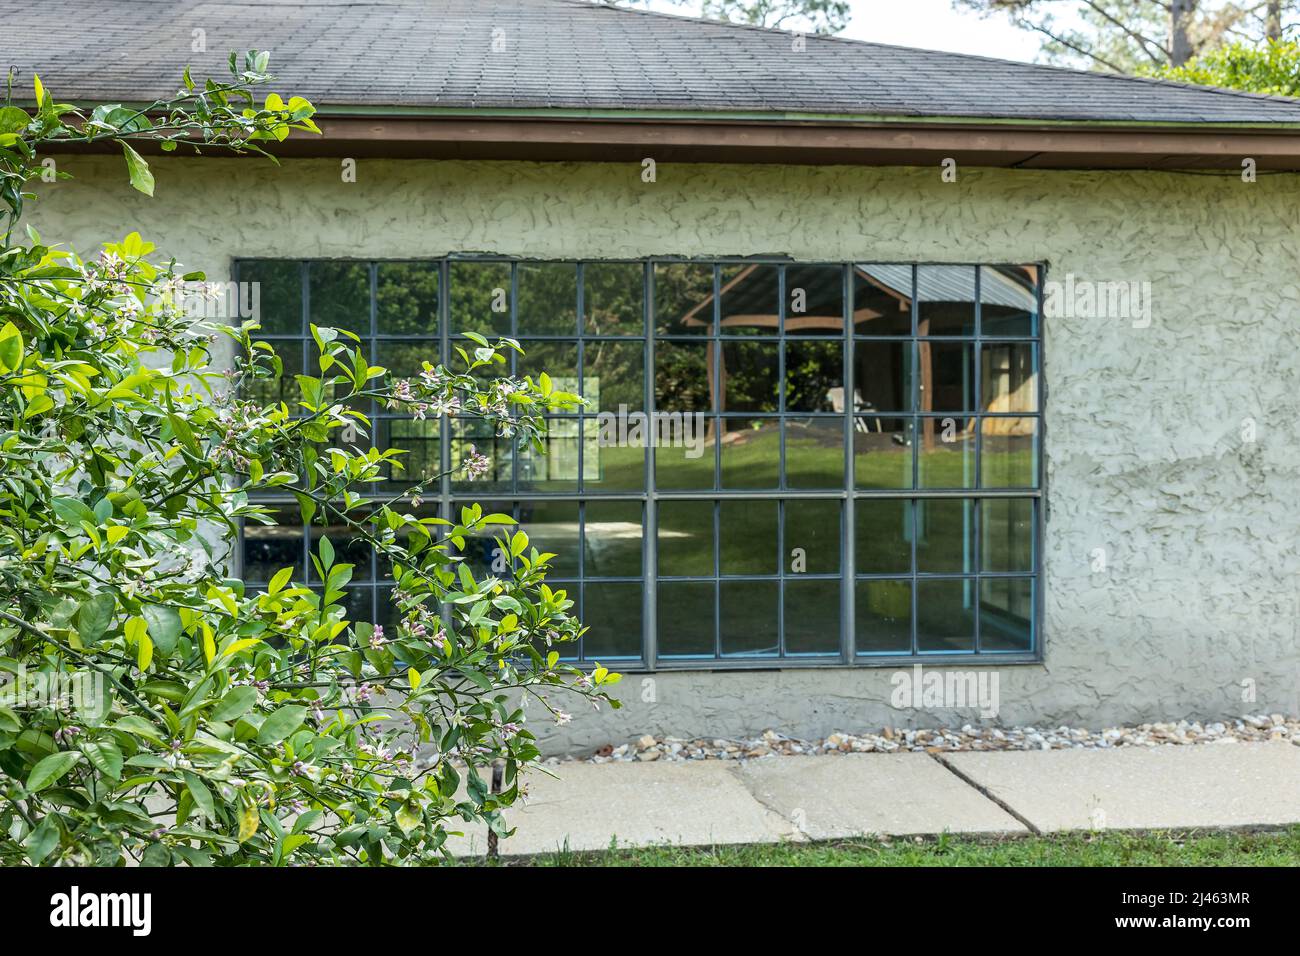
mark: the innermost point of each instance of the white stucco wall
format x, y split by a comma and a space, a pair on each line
1144, 448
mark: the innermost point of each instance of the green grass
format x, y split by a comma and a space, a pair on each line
1195, 848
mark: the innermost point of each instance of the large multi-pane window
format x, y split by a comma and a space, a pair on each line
811, 463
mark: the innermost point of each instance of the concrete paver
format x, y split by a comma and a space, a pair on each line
1211, 785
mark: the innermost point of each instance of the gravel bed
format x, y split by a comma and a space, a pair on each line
1251, 728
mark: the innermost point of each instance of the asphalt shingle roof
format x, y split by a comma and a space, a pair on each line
569, 54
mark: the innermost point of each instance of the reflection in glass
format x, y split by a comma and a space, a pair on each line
749, 618
684, 452
406, 359
554, 467
883, 617
750, 376
350, 546
945, 618
612, 460
267, 391
947, 452
814, 375
1007, 378
884, 536
406, 298
685, 538
751, 298
683, 376
482, 552
612, 613
813, 528
683, 297
421, 464
552, 526
685, 617
1009, 300
613, 376
812, 616
947, 376
1007, 534
559, 360
268, 548
340, 295
751, 452
614, 298
945, 535
613, 533
882, 450
882, 377
882, 299
1009, 452
945, 300
474, 435
480, 297
748, 537
814, 453
548, 298
271, 293
1006, 614
814, 300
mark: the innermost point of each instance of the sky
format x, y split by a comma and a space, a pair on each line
929, 24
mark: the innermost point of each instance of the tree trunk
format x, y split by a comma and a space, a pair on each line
1180, 21
1273, 23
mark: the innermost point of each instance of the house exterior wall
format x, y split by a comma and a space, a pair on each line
1147, 432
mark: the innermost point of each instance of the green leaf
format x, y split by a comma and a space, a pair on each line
72, 512
50, 769
235, 704
201, 794
95, 616
42, 840
164, 627
408, 817
104, 757
281, 724
11, 348
13, 120
247, 822
138, 170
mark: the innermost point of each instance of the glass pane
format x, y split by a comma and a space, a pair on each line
947, 452
1008, 379
945, 619
613, 376
1006, 614
1009, 452
749, 540
267, 391
884, 536
475, 436
945, 535
1009, 300
613, 539
684, 463
683, 376
548, 298
814, 300
350, 547
406, 299
812, 617
340, 295
814, 376
613, 453
683, 297
685, 539
406, 359
814, 453
751, 452
882, 299
812, 537
614, 298
750, 376
750, 615
685, 618
945, 300
751, 298
882, 449
480, 297
552, 526
947, 376
271, 293
882, 377
883, 617
612, 612
555, 467
559, 360
1007, 534
268, 548
421, 464
482, 553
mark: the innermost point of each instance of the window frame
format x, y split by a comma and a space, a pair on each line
848, 495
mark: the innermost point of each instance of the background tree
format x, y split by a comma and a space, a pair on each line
1272, 68
817, 16
153, 709
1129, 36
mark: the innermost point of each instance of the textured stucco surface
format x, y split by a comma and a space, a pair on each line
1144, 448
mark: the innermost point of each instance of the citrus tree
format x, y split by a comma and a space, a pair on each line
152, 708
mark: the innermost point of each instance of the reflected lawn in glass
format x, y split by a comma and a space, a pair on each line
1007, 534
555, 467
685, 538
751, 453
813, 527
883, 617
945, 618
814, 453
613, 539
1008, 456
947, 456
749, 537
552, 526
812, 617
612, 613
945, 535
882, 450
884, 536
1006, 614
685, 618
749, 617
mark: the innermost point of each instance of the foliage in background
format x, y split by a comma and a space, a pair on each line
817, 16
154, 709
1130, 36
1273, 68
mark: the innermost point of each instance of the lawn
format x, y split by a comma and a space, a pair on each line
1197, 848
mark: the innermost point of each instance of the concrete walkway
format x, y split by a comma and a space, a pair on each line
594, 807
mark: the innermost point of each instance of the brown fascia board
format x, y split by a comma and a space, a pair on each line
901, 143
